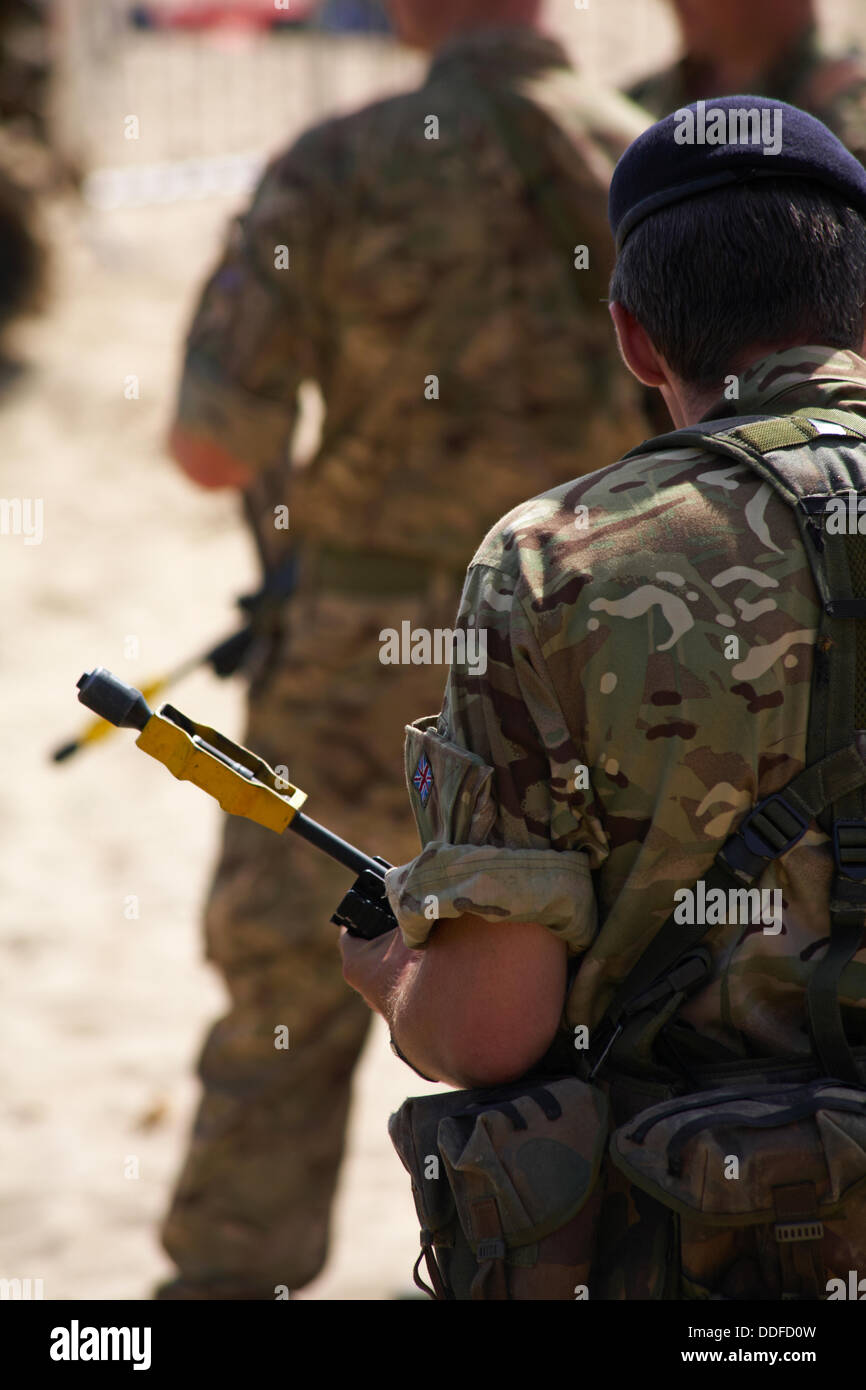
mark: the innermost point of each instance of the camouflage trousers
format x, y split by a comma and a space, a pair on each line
251, 1208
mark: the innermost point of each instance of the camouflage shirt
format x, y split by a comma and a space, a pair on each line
401, 259
599, 757
830, 85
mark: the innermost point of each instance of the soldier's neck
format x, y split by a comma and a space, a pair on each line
688, 403
751, 56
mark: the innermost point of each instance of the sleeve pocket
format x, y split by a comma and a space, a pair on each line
450, 788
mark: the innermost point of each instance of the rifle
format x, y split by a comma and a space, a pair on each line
244, 785
224, 658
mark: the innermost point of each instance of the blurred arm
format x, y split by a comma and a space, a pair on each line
254, 336
205, 461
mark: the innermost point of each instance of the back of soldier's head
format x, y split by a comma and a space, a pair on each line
428, 23
729, 247
712, 28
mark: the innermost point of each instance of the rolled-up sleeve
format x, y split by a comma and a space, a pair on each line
491, 786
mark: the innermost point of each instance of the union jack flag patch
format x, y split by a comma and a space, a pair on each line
423, 779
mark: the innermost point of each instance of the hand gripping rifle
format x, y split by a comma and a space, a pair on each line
243, 785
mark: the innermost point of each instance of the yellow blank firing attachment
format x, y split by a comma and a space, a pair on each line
242, 783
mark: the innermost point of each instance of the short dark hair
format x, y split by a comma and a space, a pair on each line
766, 262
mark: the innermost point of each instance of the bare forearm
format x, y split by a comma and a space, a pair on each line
205, 461
422, 1024
478, 1007
389, 977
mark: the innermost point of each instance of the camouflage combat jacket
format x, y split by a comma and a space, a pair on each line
648, 635
398, 258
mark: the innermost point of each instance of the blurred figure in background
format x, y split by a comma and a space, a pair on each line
22, 262
438, 264
771, 48
25, 66
24, 163
355, 16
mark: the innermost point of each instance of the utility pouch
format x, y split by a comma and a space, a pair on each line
766, 1185
506, 1187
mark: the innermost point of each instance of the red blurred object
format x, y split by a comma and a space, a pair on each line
210, 14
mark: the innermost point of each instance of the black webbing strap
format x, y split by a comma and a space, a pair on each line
769, 830
822, 1000
837, 709
774, 1119
668, 1109
834, 779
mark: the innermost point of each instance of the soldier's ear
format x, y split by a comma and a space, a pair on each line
638, 353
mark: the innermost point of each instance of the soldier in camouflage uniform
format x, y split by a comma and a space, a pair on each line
417, 260
615, 740
772, 49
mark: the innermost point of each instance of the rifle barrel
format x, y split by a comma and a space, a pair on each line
333, 846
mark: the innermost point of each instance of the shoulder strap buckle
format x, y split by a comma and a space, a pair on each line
849, 847
769, 830
684, 977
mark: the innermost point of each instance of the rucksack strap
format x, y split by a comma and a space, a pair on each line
830, 789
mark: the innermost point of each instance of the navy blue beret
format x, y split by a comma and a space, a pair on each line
727, 140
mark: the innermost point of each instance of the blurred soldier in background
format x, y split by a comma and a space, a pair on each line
25, 66
21, 260
438, 264
355, 16
767, 47
24, 72
770, 48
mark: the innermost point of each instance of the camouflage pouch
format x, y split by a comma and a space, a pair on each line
767, 1184
506, 1186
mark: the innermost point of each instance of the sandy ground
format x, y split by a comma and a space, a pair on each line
105, 861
